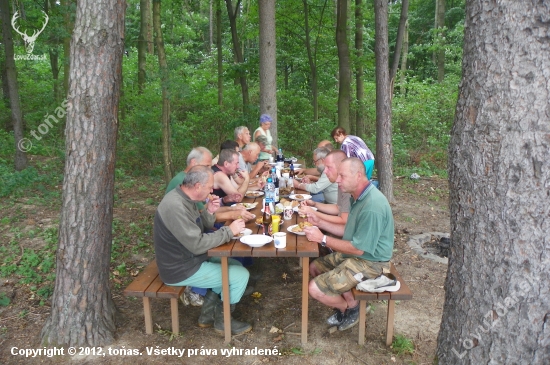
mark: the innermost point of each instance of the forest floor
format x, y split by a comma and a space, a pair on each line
421, 206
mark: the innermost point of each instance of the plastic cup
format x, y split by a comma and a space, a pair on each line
275, 220
280, 239
287, 212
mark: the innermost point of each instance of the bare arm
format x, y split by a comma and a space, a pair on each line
221, 181
315, 235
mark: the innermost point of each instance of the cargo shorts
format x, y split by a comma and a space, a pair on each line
340, 273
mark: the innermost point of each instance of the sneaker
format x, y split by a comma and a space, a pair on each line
336, 318
351, 318
196, 300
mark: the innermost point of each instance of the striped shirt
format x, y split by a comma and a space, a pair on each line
354, 146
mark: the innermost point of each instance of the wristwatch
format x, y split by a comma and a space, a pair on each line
324, 241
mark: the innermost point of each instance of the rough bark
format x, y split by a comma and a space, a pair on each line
219, 47
149, 27
344, 70
165, 79
237, 51
142, 44
404, 59
497, 292
268, 66
359, 87
399, 40
21, 145
68, 9
83, 312
384, 147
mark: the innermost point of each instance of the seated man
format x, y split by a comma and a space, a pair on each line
181, 245
242, 137
312, 173
227, 166
364, 252
330, 217
250, 154
323, 190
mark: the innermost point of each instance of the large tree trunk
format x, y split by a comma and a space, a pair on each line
220, 50
7, 122
440, 24
22, 145
405, 52
344, 71
83, 312
497, 292
238, 53
142, 43
165, 79
268, 66
149, 27
384, 147
360, 89
399, 41
68, 8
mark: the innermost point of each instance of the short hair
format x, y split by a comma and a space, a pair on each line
264, 118
337, 156
337, 132
197, 174
198, 154
227, 155
321, 152
229, 144
251, 146
239, 130
261, 139
356, 165
327, 144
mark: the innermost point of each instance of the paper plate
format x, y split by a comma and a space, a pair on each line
253, 194
244, 232
256, 240
248, 206
300, 197
296, 208
298, 233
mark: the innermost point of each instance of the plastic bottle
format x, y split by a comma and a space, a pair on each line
269, 191
275, 181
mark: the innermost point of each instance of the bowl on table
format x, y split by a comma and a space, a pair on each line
256, 240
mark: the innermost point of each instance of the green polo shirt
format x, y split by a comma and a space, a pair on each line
175, 182
370, 225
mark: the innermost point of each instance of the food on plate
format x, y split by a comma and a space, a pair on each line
295, 203
285, 191
299, 196
300, 226
259, 220
254, 193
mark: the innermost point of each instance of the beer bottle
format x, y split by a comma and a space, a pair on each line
266, 219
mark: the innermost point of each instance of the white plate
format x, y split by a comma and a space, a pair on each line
256, 240
253, 194
296, 208
244, 232
296, 165
248, 206
298, 233
304, 197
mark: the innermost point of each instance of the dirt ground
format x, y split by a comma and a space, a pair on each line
421, 206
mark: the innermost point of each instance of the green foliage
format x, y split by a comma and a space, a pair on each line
4, 300
402, 345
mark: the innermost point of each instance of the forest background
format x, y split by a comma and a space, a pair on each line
423, 103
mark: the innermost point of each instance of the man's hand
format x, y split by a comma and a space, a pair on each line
241, 214
232, 198
237, 226
313, 234
306, 180
304, 210
313, 218
213, 203
309, 202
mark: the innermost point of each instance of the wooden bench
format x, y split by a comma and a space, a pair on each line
149, 285
404, 293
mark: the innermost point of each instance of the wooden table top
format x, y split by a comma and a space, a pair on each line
296, 245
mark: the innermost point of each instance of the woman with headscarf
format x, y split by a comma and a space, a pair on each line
354, 146
263, 130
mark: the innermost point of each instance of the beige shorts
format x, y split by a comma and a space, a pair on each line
339, 272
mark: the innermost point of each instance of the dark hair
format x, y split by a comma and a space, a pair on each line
337, 132
227, 155
229, 144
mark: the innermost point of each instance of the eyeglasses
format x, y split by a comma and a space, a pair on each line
317, 160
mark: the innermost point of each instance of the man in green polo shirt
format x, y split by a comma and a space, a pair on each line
364, 252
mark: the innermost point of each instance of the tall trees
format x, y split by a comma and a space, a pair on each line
143, 41
384, 147
399, 41
82, 308
11, 75
268, 71
359, 87
496, 294
344, 71
237, 52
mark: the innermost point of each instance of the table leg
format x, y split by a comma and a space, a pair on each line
225, 291
305, 296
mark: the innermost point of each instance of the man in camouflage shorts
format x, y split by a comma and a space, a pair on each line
363, 252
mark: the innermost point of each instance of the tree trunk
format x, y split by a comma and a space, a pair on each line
360, 89
402, 78
54, 65
344, 74
22, 145
440, 24
210, 25
149, 27
268, 65
232, 13
311, 62
220, 50
384, 148
399, 41
165, 80
68, 7
7, 122
83, 312
142, 44
497, 289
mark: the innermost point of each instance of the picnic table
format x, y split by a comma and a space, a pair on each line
296, 246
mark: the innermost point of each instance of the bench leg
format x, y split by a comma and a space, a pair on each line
389, 323
362, 321
175, 316
305, 296
148, 316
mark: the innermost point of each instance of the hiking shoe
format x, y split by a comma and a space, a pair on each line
336, 318
196, 300
184, 299
351, 318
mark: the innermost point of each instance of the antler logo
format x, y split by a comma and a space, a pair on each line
29, 40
